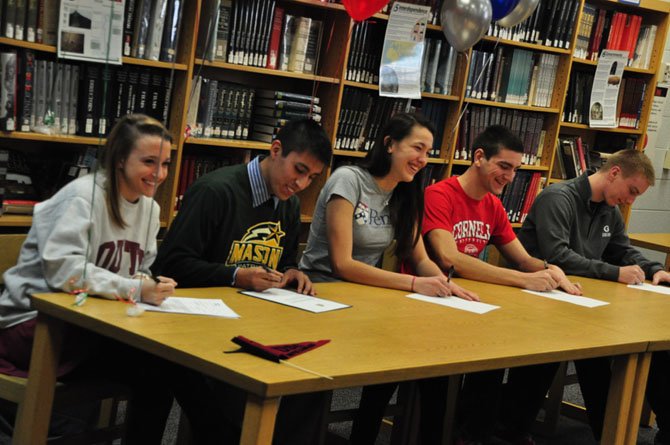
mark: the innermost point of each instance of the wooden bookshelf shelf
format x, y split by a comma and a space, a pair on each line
440, 97
368, 86
265, 71
154, 63
523, 167
126, 60
609, 130
532, 46
28, 45
8, 220
319, 4
490, 103
65, 139
306, 219
350, 153
229, 143
626, 69
536, 168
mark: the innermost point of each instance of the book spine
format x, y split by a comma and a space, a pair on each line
275, 39
223, 30
27, 75
31, 21
128, 27
171, 29
8, 91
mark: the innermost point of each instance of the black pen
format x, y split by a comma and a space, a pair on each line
155, 278
450, 274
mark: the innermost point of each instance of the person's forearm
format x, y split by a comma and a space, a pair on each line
359, 272
476, 269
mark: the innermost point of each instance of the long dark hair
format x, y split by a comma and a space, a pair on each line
120, 143
406, 204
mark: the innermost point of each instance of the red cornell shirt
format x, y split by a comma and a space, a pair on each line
473, 224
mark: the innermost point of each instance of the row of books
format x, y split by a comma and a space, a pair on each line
629, 104
519, 195
572, 157
527, 125
367, 40
193, 167
226, 110
272, 109
25, 180
219, 109
151, 29
259, 33
577, 100
606, 29
30, 20
436, 112
64, 98
354, 110
512, 75
360, 135
551, 24
438, 66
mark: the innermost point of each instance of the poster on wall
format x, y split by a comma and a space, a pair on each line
400, 67
605, 90
91, 30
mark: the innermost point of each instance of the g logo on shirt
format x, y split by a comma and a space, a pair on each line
606, 232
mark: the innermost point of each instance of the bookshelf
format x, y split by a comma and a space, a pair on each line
330, 83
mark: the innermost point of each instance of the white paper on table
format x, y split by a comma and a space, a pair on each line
194, 306
296, 300
566, 297
651, 288
456, 303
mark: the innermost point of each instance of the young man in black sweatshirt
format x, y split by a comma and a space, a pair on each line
577, 225
239, 226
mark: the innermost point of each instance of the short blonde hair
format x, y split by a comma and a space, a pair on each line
631, 162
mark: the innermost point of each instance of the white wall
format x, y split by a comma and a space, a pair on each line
651, 211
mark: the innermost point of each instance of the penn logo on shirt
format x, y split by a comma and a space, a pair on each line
261, 244
606, 232
364, 215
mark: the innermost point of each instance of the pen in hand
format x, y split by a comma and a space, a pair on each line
450, 273
278, 275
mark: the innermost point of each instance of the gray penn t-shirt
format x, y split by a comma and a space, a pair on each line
372, 229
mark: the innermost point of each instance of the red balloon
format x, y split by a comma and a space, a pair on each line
360, 10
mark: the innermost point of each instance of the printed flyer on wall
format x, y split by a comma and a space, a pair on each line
92, 30
400, 67
605, 90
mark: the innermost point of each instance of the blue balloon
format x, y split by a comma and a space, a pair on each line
502, 7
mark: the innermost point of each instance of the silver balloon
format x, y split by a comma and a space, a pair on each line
521, 12
464, 22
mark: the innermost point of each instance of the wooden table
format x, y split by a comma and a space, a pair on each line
384, 337
653, 241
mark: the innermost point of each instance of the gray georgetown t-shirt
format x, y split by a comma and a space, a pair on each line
372, 229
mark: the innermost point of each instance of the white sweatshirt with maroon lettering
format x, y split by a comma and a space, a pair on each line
58, 255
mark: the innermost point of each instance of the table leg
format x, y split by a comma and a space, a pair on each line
619, 400
640, 385
259, 420
34, 413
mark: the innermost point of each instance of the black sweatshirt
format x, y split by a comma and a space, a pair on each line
217, 229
